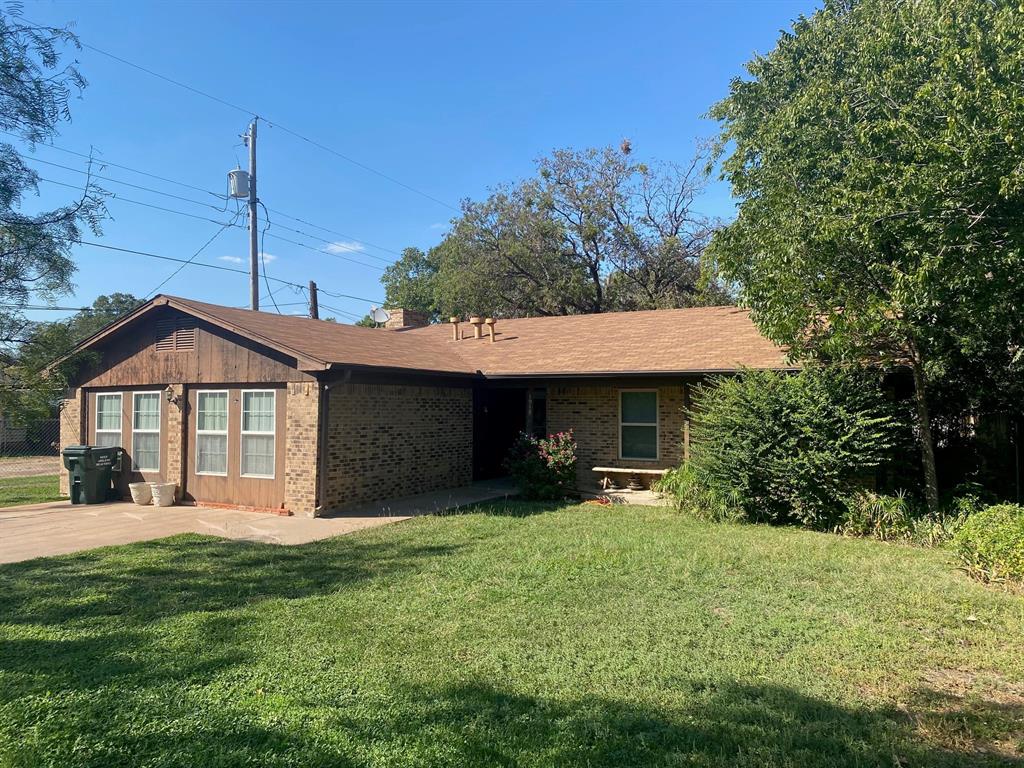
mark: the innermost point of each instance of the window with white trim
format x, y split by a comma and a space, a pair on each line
638, 424
146, 431
212, 433
108, 419
257, 449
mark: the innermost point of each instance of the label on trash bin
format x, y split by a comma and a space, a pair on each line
104, 460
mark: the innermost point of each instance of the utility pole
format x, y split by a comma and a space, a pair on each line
254, 235
314, 304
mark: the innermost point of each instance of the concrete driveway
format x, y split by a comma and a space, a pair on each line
58, 527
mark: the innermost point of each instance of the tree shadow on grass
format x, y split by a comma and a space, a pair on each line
80, 622
721, 725
152, 580
477, 724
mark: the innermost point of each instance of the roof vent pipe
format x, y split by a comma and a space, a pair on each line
476, 321
489, 322
455, 327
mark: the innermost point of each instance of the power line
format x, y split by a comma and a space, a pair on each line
115, 196
351, 315
46, 308
271, 123
329, 242
191, 259
215, 266
124, 183
328, 253
104, 162
365, 167
263, 256
335, 232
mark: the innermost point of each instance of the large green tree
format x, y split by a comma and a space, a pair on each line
32, 383
593, 231
877, 153
35, 245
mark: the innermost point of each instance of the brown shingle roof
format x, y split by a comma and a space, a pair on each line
328, 342
701, 339
704, 339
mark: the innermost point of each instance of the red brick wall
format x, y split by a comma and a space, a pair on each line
386, 441
592, 412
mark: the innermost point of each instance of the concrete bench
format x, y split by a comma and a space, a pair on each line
606, 481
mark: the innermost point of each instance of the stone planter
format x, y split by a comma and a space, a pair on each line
163, 494
141, 493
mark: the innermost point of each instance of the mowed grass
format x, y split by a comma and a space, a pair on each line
514, 635
28, 490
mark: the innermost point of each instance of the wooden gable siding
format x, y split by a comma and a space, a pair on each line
131, 358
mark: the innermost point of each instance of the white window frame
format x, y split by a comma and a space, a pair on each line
226, 431
242, 432
96, 424
159, 424
657, 425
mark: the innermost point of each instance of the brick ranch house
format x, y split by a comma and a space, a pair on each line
308, 416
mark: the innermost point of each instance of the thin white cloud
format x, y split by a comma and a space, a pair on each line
267, 257
345, 246
439, 225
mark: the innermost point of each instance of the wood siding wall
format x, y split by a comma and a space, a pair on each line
213, 359
233, 487
131, 359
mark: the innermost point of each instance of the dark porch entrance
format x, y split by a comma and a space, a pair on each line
499, 415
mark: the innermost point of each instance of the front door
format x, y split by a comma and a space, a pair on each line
499, 415
235, 446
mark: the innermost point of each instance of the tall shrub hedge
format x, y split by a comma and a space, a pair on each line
786, 448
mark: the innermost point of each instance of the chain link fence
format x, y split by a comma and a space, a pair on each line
30, 462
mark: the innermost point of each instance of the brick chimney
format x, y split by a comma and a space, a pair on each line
406, 318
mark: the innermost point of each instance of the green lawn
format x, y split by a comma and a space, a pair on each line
580, 636
28, 490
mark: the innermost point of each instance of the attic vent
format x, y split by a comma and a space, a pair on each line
175, 335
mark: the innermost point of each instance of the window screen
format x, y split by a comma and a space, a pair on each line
258, 433
146, 431
639, 425
212, 433
108, 420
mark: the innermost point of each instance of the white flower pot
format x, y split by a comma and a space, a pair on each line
141, 493
163, 493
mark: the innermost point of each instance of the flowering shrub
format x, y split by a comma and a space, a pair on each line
544, 468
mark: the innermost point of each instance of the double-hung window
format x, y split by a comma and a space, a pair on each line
146, 431
212, 433
638, 424
108, 419
257, 454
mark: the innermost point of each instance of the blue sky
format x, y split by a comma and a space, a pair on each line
448, 98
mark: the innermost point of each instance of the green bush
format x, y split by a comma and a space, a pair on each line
786, 448
990, 545
544, 468
901, 518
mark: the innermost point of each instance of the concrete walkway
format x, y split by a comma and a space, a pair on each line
57, 528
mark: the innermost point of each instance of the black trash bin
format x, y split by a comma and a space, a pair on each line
90, 469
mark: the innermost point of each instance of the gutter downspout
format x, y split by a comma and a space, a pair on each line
321, 450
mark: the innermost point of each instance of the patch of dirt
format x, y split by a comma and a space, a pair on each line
990, 686
977, 711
